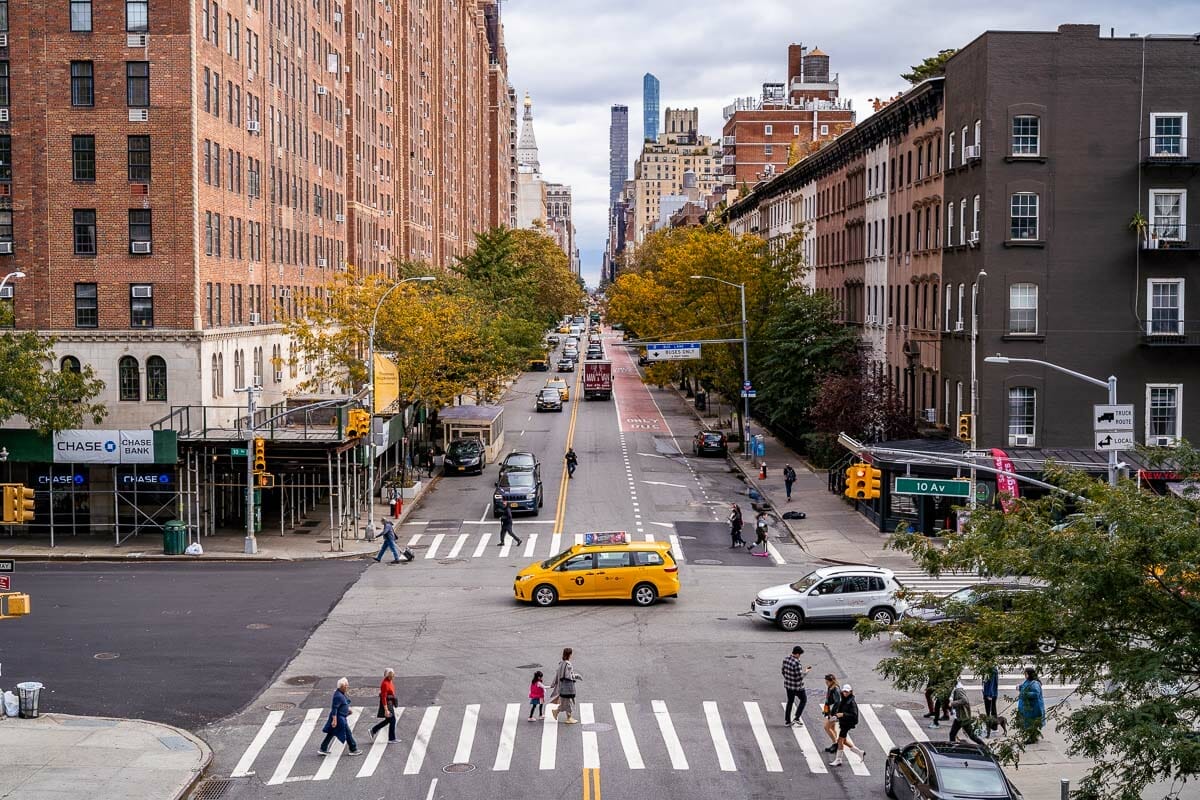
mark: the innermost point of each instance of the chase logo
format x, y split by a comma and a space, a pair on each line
110, 446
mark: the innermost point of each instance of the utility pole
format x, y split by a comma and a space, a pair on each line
741, 287
251, 542
974, 378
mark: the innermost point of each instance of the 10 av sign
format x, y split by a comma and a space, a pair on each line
933, 486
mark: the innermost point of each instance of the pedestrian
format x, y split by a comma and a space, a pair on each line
793, 684
939, 690
389, 543
506, 523
387, 706
829, 709
789, 479
1031, 708
847, 717
429, 458
537, 696
735, 527
563, 687
962, 716
572, 462
337, 726
991, 692
760, 534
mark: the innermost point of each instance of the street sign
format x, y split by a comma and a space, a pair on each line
933, 486
1114, 440
8, 565
749, 393
238, 451
5, 583
673, 351
747, 386
1112, 418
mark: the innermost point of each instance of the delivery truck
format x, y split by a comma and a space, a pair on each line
597, 380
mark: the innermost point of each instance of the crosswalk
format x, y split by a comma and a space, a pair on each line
728, 736
942, 585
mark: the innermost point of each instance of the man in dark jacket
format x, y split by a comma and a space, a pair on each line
962, 716
789, 479
847, 717
793, 684
389, 543
506, 523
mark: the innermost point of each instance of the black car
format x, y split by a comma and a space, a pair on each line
549, 400
522, 461
463, 456
944, 771
520, 489
709, 443
566, 365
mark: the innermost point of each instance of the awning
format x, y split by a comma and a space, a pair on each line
1188, 489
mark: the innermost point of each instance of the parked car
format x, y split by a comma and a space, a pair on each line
707, 443
548, 400
638, 571
522, 461
832, 594
945, 771
566, 364
520, 489
962, 606
463, 456
539, 365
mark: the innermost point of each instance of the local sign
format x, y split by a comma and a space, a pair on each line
8, 565
673, 351
1114, 440
933, 486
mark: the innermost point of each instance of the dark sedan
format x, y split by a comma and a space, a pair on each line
520, 489
549, 400
709, 443
944, 771
463, 456
566, 365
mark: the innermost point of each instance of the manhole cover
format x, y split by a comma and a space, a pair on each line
451, 560
212, 789
279, 706
258, 626
301, 680
470, 588
599, 727
106, 656
711, 562
458, 767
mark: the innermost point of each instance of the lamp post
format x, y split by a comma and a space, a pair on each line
741, 287
14, 274
1110, 384
974, 379
251, 543
371, 395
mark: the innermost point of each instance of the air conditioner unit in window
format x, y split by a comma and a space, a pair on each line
389, 110
254, 318
321, 262
139, 248
139, 189
339, 217
252, 126
6, 293
1164, 441
279, 376
139, 115
136, 40
321, 90
958, 327
973, 239
337, 18
930, 415
971, 151
143, 291
361, 36
3, 40
389, 42
1020, 440
6, 249
3, 115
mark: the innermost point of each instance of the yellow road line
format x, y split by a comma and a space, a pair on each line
591, 783
560, 509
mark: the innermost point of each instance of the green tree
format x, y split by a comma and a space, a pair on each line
1118, 605
931, 67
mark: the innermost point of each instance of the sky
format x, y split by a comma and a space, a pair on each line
576, 58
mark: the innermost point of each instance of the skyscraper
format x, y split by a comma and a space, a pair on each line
618, 152
650, 90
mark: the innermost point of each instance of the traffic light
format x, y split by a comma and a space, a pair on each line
858, 481
964, 427
358, 423
14, 604
260, 455
874, 479
18, 504
265, 480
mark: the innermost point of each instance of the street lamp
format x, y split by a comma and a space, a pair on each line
371, 395
741, 287
1110, 384
5, 279
974, 380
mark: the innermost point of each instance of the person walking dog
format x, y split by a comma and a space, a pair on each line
337, 726
387, 706
563, 686
760, 534
793, 684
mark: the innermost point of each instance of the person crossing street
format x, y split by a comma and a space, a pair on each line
506, 525
735, 527
847, 717
793, 684
963, 720
572, 462
389, 543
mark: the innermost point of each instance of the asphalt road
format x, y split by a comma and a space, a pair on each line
184, 644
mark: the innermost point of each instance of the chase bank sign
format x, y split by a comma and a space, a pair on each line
104, 447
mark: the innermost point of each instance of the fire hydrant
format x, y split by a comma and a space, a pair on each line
398, 507
762, 471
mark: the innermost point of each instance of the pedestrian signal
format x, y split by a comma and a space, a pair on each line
964, 427
858, 477
265, 480
18, 504
358, 423
260, 455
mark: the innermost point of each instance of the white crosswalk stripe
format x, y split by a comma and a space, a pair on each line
471, 545
942, 585
729, 736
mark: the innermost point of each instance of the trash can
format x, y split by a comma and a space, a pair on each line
174, 537
27, 695
701, 401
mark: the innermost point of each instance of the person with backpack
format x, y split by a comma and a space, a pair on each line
760, 534
735, 527
963, 720
829, 709
1031, 708
789, 479
847, 717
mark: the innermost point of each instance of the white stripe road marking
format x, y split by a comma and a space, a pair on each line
759, 726
479, 548
591, 747
507, 546
458, 545
466, 736
664, 524
549, 738
416, 538
303, 733
508, 736
724, 755
676, 548
515, 522
256, 745
556, 544
432, 789
325, 771
807, 746
633, 756
670, 739
652, 455
377, 749
434, 545
416, 756
663, 483
867, 712
532, 537
775, 556
914, 728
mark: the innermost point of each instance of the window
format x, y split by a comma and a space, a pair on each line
3, 15
5, 98
5, 158
6, 225
962, 221
258, 365
950, 153
129, 381
824, 130
1169, 134
137, 16
1164, 313
216, 380
1163, 411
949, 305
137, 84
795, 130
156, 378
139, 230
1022, 308
768, 130
69, 364
975, 220
141, 305
950, 224
768, 150
1022, 405
1026, 134
963, 160
85, 232
979, 137
239, 370
81, 16
1023, 216
138, 154
83, 86
86, 312
83, 158
962, 293
1168, 210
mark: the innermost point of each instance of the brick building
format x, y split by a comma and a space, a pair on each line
659, 170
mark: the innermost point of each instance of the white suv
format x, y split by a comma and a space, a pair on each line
832, 594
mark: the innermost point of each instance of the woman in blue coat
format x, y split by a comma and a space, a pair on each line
337, 726
1031, 709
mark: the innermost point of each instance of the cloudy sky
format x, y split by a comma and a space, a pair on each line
578, 57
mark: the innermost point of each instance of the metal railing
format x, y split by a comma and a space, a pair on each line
275, 421
1170, 149
1168, 235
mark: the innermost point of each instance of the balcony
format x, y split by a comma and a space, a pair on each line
1162, 236
1167, 151
1178, 335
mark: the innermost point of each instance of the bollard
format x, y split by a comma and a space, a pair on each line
762, 471
1064, 789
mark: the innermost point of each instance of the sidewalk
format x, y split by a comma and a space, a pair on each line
61, 757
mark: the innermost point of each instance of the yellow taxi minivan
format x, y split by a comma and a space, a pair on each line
606, 566
564, 393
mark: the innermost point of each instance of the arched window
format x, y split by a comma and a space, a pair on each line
258, 366
129, 380
69, 364
156, 378
216, 386
220, 375
276, 363
239, 370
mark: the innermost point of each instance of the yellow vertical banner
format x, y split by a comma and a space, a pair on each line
387, 383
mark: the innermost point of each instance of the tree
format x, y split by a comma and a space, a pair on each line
49, 399
931, 67
1119, 597
861, 402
